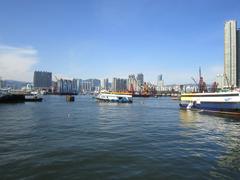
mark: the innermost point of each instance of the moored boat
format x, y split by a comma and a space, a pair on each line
12, 98
7, 97
115, 97
220, 102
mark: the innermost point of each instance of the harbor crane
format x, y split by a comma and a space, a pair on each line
225, 77
56, 78
194, 81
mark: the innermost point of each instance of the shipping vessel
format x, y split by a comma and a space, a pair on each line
115, 97
220, 102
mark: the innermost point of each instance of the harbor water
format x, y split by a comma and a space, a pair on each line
147, 139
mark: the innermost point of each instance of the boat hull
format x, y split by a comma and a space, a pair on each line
114, 100
227, 103
12, 98
34, 100
214, 107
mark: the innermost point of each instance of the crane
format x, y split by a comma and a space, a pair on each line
228, 84
200, 73
194, 81
56, 78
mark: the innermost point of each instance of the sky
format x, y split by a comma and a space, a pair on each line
114, 38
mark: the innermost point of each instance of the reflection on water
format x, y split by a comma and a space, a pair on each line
187, 116
223, 131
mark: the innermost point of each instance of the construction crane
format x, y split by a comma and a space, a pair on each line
194, 81
228, 84
200, 73
56, 78
197, 84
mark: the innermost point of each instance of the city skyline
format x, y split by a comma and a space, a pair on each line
106, 39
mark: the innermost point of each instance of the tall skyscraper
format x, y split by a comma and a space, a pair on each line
231, 53
160, 77
238, 57
140, 79
105, 84
42, 79
160, 83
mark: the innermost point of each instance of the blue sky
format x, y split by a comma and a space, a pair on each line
114, 38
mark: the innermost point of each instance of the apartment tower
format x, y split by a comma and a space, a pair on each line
231, 54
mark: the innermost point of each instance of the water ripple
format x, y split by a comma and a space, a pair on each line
148, 139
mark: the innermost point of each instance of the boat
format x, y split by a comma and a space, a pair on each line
219, 102
115, 97
33, 97
12, 98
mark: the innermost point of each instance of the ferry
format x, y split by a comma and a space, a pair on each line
33, 97
115, 97
219, 102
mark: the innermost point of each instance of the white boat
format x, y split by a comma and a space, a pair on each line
33, 96
221, 102
115, 97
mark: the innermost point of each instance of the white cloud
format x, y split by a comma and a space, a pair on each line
16, 62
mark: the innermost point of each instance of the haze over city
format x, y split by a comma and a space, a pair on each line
99, 39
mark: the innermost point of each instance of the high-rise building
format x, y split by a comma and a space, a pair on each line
42, 79
132, 83
238, 57
105, 84
1, 83
119, 84
93, 83
86, 86
75, 85
78, 83
140, 79
231, 53
160, 83
160, 77
67, 86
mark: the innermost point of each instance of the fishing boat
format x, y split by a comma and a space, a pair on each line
220, 102
115, 97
